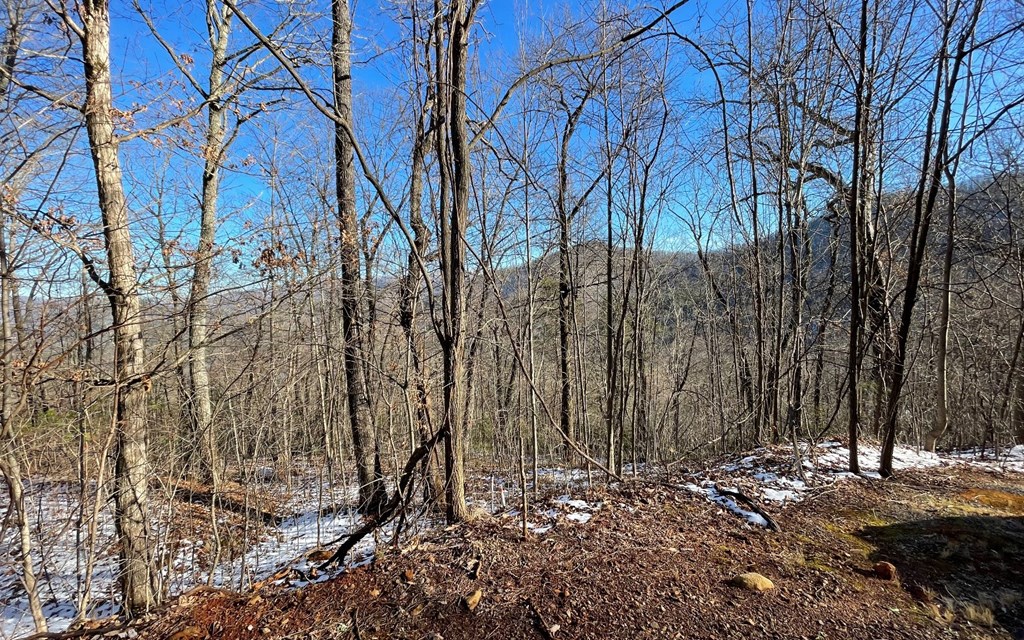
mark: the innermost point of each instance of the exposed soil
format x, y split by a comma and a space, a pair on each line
655, 562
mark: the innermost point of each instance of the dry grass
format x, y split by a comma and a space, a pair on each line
979, 614
941, 613
1002, 500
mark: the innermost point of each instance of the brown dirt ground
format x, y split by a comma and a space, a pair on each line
655, 561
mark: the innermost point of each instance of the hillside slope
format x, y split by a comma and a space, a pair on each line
656, 560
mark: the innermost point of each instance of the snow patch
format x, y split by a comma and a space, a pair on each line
567, 501
711, 493
764, 474
780, 495
61, 550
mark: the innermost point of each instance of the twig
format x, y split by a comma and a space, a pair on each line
355, 625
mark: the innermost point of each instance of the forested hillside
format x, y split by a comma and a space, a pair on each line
289, 285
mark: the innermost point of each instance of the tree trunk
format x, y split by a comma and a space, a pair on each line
934, 163
566, 286
609, 292
1017, 419
565, 304
9, 466
942, 342
453, 266
856, 209
409, 293
131, 384
198, 309
372, 492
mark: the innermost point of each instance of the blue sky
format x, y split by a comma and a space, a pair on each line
300, 137
147, 77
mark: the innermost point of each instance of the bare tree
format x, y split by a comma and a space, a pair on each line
121, 287
372, 493
940, 150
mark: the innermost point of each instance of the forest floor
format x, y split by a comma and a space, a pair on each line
654, 557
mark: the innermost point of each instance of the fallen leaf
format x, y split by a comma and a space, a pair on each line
473, 599
321, 555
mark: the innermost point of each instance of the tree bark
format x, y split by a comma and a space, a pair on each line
372, 492
942, 342
131, 384
1017, 419
9, 465
856, 209
198, 309
454, 267
409, 293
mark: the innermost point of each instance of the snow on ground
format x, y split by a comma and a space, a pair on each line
59, 549
834, 457
502, 497
547, 477
547, 515
569, 503
771, 475
710, 491
768, 475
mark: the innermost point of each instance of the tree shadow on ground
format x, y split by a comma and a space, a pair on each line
968, 561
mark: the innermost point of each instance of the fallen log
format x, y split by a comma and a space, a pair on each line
207, 498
